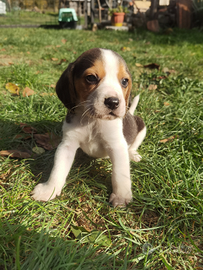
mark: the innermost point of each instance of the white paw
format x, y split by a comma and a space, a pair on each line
45, 192
120, 201
135, 156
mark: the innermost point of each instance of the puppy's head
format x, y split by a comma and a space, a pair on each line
99, 82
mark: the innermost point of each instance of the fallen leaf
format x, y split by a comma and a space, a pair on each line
138, 65
169, 139
152, 87
54, 59
91, 236
3, 50
62, 61
37, 72
152, 66
162, 77
63, 40
166, 104
38, 150
52, 85
22, 137
27, 129
15, 153
28, 52
124, 49
58, 46
28, 92
13, 88
164, 140
48, 141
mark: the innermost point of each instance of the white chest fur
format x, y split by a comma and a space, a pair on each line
94, 136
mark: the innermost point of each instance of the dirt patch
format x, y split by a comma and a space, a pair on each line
7, 60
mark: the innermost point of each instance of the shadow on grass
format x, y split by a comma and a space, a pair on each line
13, 138
22, 248
173, 37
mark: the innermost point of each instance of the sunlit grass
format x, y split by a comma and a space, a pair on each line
162, 227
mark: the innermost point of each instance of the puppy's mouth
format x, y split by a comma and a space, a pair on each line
106, 115
113, 114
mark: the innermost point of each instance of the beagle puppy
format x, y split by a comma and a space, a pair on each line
96, 89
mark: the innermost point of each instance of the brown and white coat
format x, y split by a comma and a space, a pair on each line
96, 90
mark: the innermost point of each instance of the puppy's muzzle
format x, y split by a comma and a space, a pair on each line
111, 103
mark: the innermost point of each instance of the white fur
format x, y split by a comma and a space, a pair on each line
134, 156
98, 138
134, 104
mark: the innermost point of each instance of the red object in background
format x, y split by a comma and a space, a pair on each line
117, 18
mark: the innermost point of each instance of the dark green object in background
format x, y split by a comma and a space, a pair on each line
67, 18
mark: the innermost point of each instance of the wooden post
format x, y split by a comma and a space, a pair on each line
184, 14
100, 16
9, 5
92, 11
153, 24
59, 6
153, 8
79, 11
86, 18
110, 4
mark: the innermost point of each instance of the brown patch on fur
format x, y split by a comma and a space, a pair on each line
83, 88
123, 73
85, 61
65, 87
72, 86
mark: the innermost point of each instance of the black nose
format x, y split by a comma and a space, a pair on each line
111, 103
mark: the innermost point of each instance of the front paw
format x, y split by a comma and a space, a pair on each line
116, 200
45, 192
135, 156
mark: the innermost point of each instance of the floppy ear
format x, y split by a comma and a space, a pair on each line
128, 94
65, 88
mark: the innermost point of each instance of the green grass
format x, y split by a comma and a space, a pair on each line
162, 227
29, 18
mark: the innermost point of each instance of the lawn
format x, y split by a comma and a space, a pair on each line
29, 18
163, 227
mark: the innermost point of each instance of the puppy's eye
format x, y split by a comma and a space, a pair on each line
124, 82
92, 79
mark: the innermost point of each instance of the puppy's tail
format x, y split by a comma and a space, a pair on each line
134, 104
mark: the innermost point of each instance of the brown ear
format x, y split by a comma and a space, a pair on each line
128, 94
65, 88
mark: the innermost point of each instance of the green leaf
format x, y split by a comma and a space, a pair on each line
95, 237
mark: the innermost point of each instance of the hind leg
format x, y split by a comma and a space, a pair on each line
134, 156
